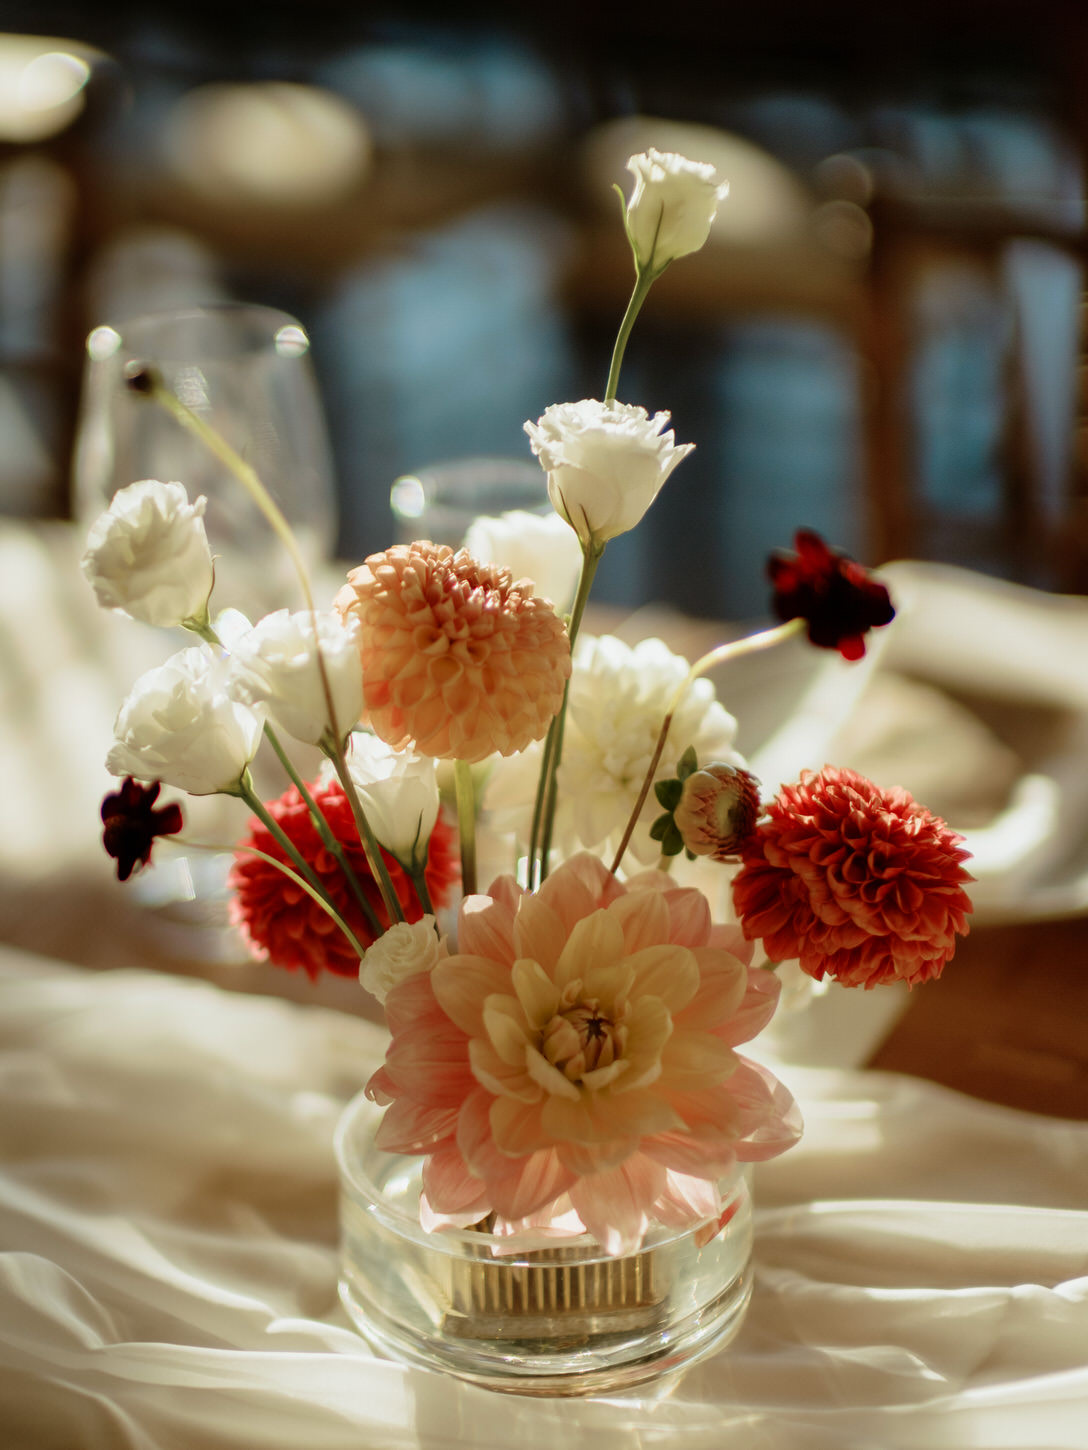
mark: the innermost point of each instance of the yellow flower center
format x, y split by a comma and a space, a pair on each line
582, 1037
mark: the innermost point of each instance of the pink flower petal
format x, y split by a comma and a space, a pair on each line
668, 972
462, 984
485, 928
693, 1060
756, 1010
539, 933
730, 938
615, 1205
410, 1127
721, 991
500, 1077
644, 917
449, 1186
534, 1183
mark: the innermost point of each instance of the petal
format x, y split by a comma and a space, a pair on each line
730, 938
596, 939
756, 1009
769, 1117
430, 1066
687, 1200
504, 1024
649, 1027
615, 1205
548, 1077
448, 1185
485, 928
516, 1127
670, 973
411, 1127
462, 984
722, 986
692, 1060
702, 1153
498, 1077
536, 992
539, 934
536, 1182
689, 917
644, 918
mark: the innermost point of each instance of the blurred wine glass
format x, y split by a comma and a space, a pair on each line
246, 371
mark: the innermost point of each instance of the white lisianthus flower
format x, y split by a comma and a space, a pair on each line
399, 794
403, 951
672, 208
606, 463
148, 555
618, 698
276, 665
538, 547
179, 725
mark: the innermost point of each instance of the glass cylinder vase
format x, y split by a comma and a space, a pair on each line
532, 1314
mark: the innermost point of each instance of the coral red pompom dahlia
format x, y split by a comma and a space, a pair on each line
282, 922
855, 882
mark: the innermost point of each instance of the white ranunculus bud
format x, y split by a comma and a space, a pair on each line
275, 665
399, 794
672, 208
403, 951
538, 547
148, 554
606, 463
179, 725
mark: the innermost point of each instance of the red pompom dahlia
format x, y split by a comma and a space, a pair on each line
282, 922
855, 882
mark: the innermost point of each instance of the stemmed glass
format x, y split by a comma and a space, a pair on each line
246, 371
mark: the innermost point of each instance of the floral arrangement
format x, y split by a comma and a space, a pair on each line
563, 1049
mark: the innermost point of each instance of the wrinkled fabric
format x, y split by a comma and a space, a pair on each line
168, 1255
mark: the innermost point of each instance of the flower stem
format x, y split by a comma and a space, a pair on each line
643, 282
324, 830
322, 900
466, 824
375, 860
734, 649
419, 881
546, 791
272, 826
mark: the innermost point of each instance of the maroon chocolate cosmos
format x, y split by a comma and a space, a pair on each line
836, 597
130, 824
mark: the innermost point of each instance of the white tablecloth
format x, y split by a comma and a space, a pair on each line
168, 1274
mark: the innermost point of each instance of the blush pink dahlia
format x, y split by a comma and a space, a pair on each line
855, 882
458, 660
576, 1058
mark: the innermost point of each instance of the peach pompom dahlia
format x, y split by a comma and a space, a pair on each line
855, 882
575, 1060
459, 660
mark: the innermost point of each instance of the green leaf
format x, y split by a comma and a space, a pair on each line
660, 826
668, 792
689, 763
673, 842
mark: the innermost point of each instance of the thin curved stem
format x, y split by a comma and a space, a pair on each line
466, 824
322, 901
751, 644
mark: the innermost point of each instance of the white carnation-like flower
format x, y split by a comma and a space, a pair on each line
148, 555
275, 665
539, 547
179, 725
398, 791
618, 697
606, 463
672, 207
403, 951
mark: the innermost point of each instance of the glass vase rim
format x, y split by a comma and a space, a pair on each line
456, 1242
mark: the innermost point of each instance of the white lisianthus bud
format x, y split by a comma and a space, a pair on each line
276, 665
399, 794
179, 725
403, 951
672, 208
148, 555
538, 547
606, 463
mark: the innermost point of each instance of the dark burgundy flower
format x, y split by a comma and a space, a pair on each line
130, 824
833, 594
283, 923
